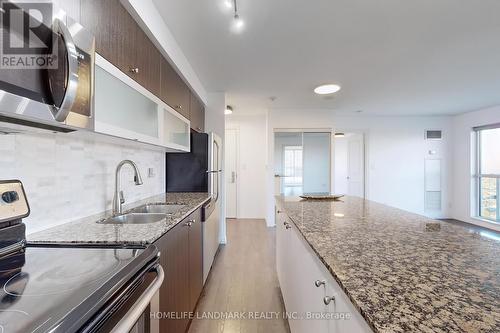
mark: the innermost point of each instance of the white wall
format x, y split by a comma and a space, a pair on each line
252, 164
69, 176
215, 122
395, 154
463, 157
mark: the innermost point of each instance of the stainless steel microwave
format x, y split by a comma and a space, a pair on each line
50, 86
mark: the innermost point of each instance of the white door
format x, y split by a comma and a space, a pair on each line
356, 166
231, 173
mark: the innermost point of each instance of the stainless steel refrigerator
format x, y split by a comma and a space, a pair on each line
200, 171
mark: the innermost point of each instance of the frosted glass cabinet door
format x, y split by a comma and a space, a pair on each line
123, 111
175, 131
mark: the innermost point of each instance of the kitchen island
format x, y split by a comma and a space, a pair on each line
401, 272
88, 231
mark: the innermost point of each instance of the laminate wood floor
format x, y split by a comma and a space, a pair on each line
243, 279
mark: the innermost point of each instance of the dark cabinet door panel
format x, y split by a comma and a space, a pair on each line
174, 293
174, 91
197, 114
115, 32
121, 41
148, 64
195, 259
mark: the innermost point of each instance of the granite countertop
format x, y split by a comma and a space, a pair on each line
87, 231
402, 271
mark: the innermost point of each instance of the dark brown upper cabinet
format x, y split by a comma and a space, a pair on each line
121, 41
197, 115
149, 64
115, 32
174, 91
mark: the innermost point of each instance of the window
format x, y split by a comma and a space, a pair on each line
292, 166
488, 174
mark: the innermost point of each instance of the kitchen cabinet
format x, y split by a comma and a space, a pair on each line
181, 259
195, 258
197, 114
148, 60
175, 131
115, 32
174, 91
306, 285
138, 114
121, 41
174, 259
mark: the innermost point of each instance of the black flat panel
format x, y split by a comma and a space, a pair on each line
59, 289
187, 172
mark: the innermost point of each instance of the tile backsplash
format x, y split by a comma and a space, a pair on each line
70, 176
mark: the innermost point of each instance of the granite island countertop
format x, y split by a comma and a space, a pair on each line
88, 231
402, 271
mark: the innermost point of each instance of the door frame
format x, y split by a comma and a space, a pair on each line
365, 138
237, 157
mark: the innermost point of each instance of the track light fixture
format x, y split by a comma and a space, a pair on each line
238, 22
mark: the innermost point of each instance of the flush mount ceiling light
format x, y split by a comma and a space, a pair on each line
228, 4
229, 110
327, 89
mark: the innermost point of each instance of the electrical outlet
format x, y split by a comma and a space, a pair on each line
151, 173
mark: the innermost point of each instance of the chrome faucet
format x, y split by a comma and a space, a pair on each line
118, 199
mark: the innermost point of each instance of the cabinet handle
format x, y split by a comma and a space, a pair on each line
193, 221
319, 283
178, 107
288, 226
134, 70
279, 211
198, 128
188, 224
328, 299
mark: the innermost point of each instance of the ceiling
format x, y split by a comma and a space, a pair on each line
391, 57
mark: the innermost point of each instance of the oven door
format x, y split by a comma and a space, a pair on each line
53, 84
133, 309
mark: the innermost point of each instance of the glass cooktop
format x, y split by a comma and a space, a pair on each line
59, 289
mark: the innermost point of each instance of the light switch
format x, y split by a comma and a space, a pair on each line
151, 173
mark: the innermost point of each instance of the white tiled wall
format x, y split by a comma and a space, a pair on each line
69, 176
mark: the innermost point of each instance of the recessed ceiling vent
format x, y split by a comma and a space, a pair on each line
433, 135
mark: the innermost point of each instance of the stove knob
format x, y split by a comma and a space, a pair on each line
10, 197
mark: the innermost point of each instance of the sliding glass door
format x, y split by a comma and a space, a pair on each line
302, 162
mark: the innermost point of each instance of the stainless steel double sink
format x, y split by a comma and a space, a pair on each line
150, 213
